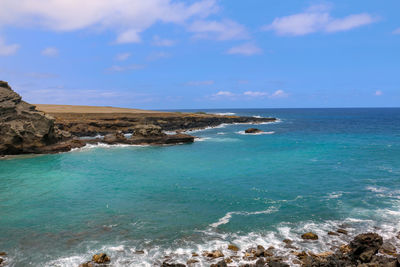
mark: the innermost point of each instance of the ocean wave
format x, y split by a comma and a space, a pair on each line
243, 133
180, 251
228, 216
225, 113
103, 145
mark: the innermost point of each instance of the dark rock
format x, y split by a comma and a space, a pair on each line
23, 128
252, 131
309, 236
221, 263
332, 233
277, 263
139, 252
260, 263
342, 231
167, 264
3, 253
1, 261
364, 246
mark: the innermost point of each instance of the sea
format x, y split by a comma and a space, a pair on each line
312, 170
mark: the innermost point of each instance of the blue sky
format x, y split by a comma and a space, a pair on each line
161, 54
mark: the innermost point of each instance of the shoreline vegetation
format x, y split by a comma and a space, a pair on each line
44, 129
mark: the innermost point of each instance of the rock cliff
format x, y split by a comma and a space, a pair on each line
23, 128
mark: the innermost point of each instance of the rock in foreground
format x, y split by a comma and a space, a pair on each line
23, 128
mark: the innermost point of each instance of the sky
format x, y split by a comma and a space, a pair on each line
176, 54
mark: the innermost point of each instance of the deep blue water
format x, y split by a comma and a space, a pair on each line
314, 170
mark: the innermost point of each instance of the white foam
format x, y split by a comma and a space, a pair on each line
221, 133
261, 133
228, 216
376, 189
225, 113
103, 145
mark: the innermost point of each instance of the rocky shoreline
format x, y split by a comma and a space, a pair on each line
27, 130
364, 250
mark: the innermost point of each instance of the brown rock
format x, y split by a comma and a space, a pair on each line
3, 254
194, 254
214, 254
87, 264
221, 263
149, 130
100, 258
388, 249
23, 128
233, 247
192, 261
345, 249
309, 236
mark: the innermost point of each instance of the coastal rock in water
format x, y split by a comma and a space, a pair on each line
233, 247
167, 264
101, 258
342, 231
253, 131
221, 263
23, 128
213, 254
364, 246
309, 236
115, 138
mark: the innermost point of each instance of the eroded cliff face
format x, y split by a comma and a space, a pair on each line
23, 129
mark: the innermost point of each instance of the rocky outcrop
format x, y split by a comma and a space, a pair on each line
23, 128
145, 134
253, 131
91, 124
26, 130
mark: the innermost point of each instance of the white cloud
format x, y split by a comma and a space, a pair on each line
218, 30
200, 83
378, 93
255, 94
126, 17
317, 19
123, 56
157, 41
224, 93
120, 68
129, 36
247, 49
349, 22
397, 31
279, 94
50, 52
7, 49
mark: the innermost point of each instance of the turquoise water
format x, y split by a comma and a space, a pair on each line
314, 170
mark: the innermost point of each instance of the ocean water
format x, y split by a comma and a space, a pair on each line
313, 170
